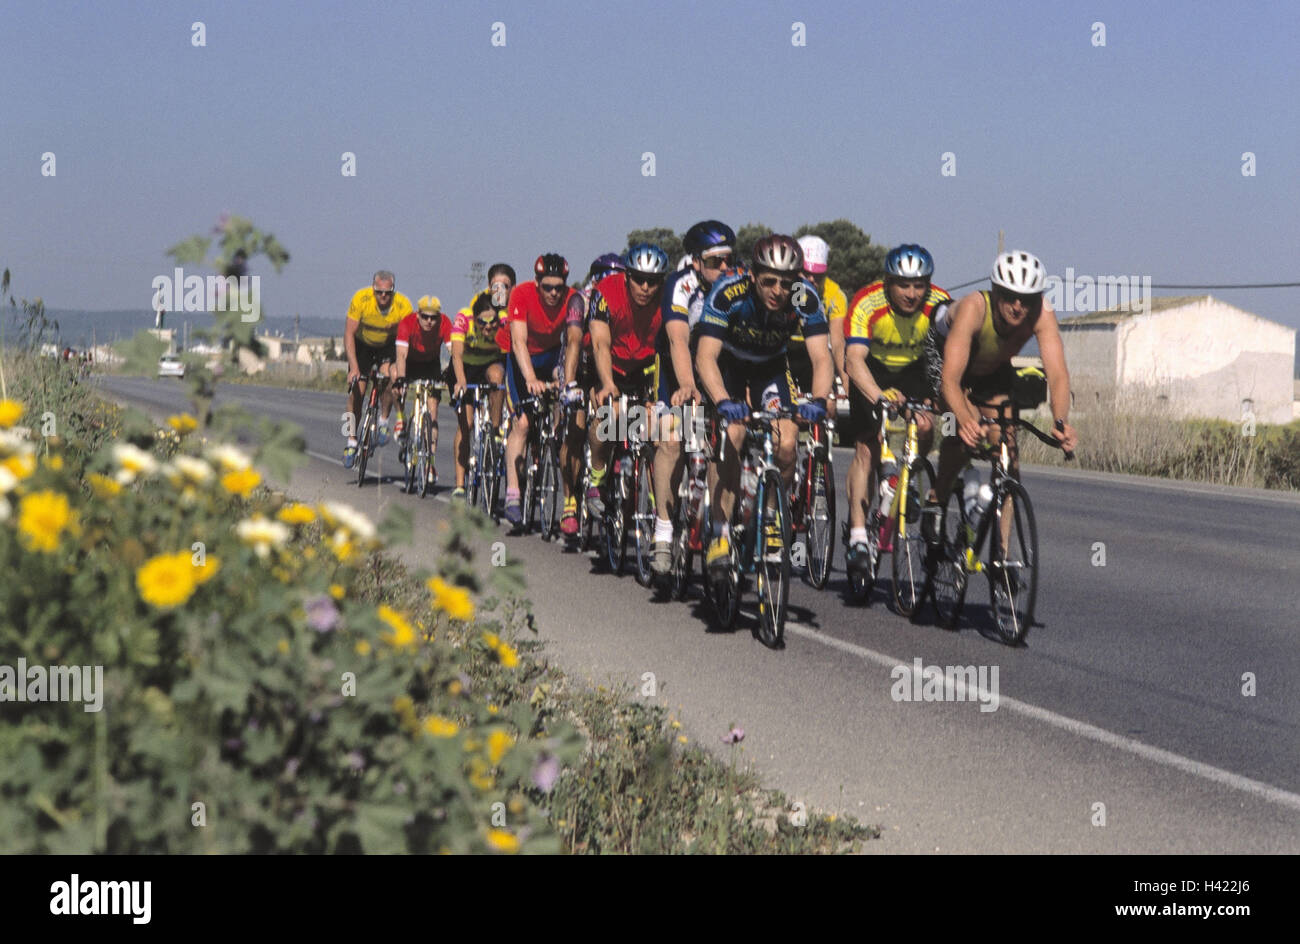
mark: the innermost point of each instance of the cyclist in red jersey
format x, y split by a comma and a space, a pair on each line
625, 319
540, 312
420, 337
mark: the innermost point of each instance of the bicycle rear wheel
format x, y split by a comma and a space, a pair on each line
724, 591
772, 537
643, 524
687, 522
474, 474
489, 471
616, 516
821, 523
529, 487
909, 542
946, 575
1013, 565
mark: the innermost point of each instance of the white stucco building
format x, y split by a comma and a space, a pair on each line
1202, 356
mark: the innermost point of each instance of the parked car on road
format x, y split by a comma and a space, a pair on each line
170, 365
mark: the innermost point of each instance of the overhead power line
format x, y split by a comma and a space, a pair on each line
1198, 287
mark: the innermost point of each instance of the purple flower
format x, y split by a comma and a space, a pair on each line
734, 736
322, 615
291, 767
546, 773
356, 761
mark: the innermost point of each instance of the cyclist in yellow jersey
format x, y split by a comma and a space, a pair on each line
816, 259
978, 336
370, 337
477, 357
887, 326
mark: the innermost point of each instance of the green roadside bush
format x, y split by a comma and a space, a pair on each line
250, 702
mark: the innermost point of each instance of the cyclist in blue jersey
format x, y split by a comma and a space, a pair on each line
710, 246
740, 362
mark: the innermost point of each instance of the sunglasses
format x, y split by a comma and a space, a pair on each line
432, 317
383, 291
772, 281
715, 262
1026, 301
640, 278
552, 287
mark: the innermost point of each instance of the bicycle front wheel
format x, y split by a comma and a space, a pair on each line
821, 523
364, 443
489, 471
643, 525
474, 474
424, 450
552, 496
909, 542
616, 517
1013, 564
772, 537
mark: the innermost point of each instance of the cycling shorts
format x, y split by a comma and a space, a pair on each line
368, 356
864, 416
761, 384
545, 365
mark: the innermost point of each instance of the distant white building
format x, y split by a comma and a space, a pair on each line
1202, 356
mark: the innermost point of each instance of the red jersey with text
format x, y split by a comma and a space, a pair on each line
545, 325
632, 334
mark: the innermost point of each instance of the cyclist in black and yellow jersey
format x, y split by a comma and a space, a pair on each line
887, 325
479, 341
971, 346
370, 337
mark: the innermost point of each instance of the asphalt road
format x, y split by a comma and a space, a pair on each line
1135, 693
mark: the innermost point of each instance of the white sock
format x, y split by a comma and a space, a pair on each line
857, 535
352, 441
663, 529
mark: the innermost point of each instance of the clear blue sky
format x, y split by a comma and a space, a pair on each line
1117, 160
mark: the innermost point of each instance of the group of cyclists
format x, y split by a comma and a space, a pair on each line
771, 334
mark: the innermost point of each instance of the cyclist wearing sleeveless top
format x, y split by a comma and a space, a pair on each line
479, 340
885, 350
816, 256
420, 337
710, 246
740, 361
624, 321
984, 330
369, 336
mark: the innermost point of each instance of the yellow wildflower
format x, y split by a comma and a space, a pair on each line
402, 635
502, 841
103, 486
493, 709
336, 591
261, 533
681, 738
42, 519
11, 411
363, 648
479, 776
498, 743
342, 547
207, 570
454, 687
241, 482
21, 465
183, 423
296, 513
54, 462
440, 727
509, 658
166, 580
283, 647
132, 462
455, 601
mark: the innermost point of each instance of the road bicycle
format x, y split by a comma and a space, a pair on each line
541, 488
369, 432
691, 510
1001, 512
485, 465
417, 451
812, 499
584, 539
760, 535
629, 491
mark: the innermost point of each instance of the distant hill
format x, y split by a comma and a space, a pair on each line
76, 327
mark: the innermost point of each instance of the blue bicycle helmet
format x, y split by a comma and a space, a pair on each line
707, 235
909, 261
646, 259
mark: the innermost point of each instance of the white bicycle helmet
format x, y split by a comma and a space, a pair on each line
1019, 272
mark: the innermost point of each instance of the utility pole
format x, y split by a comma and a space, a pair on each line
476, 275
1001, 234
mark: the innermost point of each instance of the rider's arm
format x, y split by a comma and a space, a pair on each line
600, 342
837, 349
572, 350
350, 327
519, 342
679, 349
823, 368
1052, 351
706, 367
859, 374
402, 350
458, 361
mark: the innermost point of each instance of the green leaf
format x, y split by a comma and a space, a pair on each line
398, 526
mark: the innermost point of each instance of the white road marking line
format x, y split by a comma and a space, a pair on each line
1158, 755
